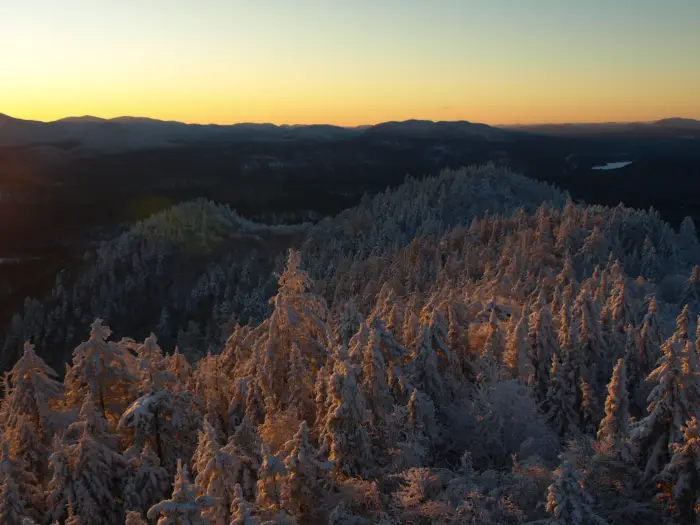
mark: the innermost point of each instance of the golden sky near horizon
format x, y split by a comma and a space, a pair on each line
351, 63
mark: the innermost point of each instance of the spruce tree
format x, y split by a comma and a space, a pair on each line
680, 479
568, 502
306, 477
669, 407
613, 431
183, 507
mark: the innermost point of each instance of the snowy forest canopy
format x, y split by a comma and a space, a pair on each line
472, 348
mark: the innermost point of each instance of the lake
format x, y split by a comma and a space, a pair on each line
612, 165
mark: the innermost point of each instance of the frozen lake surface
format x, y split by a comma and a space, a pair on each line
612, 166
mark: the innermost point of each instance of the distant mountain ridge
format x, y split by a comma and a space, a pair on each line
88, 133
591, 128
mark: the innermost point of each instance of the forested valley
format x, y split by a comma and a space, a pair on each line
470, 348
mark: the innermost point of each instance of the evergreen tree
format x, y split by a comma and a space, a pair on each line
682, 324
147, 483
651, 337
517, 357
167, 421
299, 385
134, 518
561, 398
423, 368
344, 433
104, 370
241, 511
568, 502
494, 347
32, 392
306, 476
680, 478
590, 408
374, 382
691, 289
87, 475
613, 430
12, 507
591, 343
270, 477
183, 507
669, 407
544, 347
20, 482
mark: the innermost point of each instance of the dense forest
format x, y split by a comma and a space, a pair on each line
472, 348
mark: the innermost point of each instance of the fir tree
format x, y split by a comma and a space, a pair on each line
561, 398
613, 430
306, 476
147, 483
270, 477
21, 482
168, 421
517, 358
374, 383
32, 392
183, 507
669, 407
105, 370
87, 474
544, 347
344, 434
423, 369
494, 347
568, 503
241, 510
13, 509
680, 479
134, 518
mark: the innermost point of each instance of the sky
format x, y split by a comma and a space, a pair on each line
351, 62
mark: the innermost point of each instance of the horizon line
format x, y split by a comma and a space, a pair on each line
191, 123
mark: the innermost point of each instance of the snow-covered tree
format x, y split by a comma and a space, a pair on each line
561, 397
651, 336
208, 445
568, 502
147, 482
613, 430
374, 381
134, 518
152, 371
691, 289
518, 354
241, 510
306, 476
669, 408
32, 392
104, 369
494, 347
225, 469
299, 385
270, 478
591, 343
13, 509
423, 368
680, 479
544, 346
183, 507
168, 421
21, 481
344, 434
87, 475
